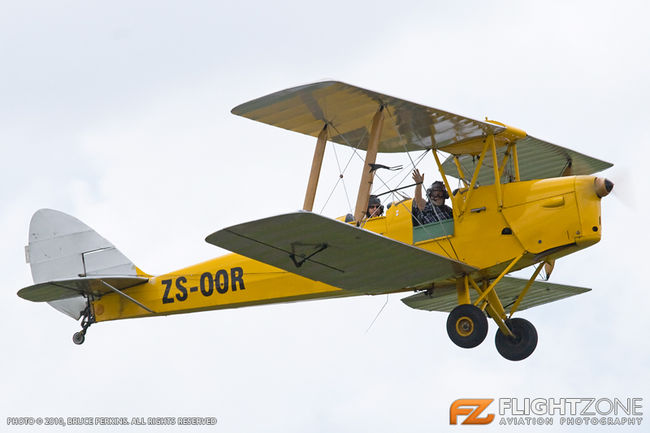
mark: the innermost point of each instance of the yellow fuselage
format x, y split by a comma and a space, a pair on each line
541, 219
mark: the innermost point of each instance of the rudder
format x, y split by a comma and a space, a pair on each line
62, 247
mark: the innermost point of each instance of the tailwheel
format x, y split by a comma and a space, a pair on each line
522, 345
88, 318
467, 326
79, 337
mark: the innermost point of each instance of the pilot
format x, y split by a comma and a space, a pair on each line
434, 209
375, 207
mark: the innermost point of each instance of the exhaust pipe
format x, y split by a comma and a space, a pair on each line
603, 186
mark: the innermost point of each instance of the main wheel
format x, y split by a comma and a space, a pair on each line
522, 345
467, 326
78, 337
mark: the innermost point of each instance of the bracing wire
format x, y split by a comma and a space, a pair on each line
399, 134
342, 172
393, 195
377, 316
345, 189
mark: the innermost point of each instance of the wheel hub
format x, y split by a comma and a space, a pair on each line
464, 326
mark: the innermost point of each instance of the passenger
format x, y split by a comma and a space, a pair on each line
434, 209
375, 208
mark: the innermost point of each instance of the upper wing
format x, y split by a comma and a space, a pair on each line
336, 253
537, 160
348, 110
508, 289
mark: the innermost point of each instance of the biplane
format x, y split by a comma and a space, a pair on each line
520, 202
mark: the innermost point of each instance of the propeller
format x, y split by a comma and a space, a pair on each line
624, 190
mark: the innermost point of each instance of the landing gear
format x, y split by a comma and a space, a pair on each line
467, 326
88, 318
79, 337
522, 345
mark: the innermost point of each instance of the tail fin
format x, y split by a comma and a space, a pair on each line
63, 248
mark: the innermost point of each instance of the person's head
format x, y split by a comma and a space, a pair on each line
374, 207
437, 193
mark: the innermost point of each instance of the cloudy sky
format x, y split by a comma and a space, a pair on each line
119, 113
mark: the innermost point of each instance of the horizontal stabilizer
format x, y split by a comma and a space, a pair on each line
508, 289
64, 289
336, 253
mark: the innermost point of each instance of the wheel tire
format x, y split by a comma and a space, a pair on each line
78, 337
467, 326
522, 345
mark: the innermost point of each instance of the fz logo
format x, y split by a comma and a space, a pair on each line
472, 408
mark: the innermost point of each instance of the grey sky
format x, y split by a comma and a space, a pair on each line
119, 113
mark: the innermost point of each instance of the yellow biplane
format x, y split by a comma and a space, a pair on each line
520, 202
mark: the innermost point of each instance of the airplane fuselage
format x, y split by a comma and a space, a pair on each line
541, 219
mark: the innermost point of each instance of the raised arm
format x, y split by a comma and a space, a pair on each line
418, 179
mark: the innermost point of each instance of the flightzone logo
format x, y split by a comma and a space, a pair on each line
471, 409
580, 411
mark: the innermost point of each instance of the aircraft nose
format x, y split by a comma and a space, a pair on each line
603, 186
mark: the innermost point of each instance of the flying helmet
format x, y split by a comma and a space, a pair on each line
440, 186
374, 200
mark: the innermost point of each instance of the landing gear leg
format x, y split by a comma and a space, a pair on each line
88, 318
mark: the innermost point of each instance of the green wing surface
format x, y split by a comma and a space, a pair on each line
336, 253
508, 289
69, 288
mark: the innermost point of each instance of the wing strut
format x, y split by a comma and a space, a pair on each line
367, 176
126, 296
316, 165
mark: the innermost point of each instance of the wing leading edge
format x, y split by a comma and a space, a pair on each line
348, 110
336, 253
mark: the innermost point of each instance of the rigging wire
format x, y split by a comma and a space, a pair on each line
355, 153
332, 193
345, 189
401, 139
393, 194
342, 172
377, 316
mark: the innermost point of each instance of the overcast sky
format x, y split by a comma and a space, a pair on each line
119, 113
